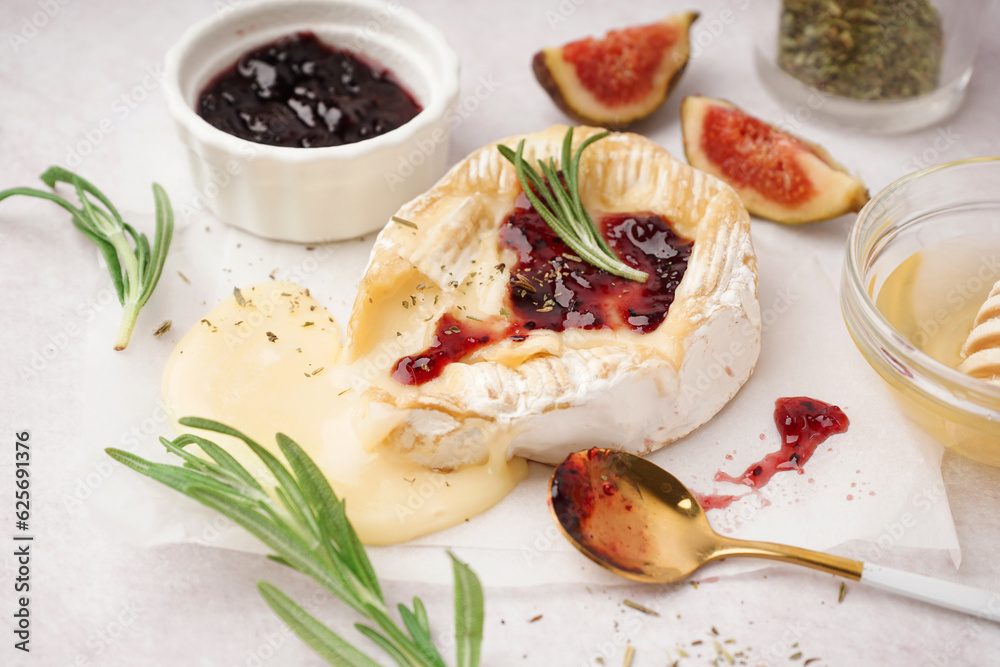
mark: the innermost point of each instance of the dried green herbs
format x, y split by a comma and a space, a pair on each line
863, 49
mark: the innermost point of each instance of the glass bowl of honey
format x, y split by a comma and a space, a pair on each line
921, 263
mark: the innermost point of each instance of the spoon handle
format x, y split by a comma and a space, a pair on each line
957, 597
817, 560
983, 604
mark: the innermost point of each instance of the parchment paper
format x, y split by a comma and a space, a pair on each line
879, 483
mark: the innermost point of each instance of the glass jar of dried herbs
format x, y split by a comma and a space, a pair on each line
863, 49
883, 66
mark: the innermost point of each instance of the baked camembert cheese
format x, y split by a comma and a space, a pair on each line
479, 339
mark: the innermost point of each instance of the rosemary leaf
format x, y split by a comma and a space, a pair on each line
278, 537
306, 526
220, 456
385, 645
405, 644
288, 490
421, 637
177, 478
468, 615
328, 644
420, 612
161, 242
134, 264
557, 200
332, 513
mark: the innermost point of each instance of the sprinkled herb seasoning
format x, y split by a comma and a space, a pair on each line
863, 49
639, 607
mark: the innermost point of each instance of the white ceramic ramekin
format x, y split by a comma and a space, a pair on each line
315, 194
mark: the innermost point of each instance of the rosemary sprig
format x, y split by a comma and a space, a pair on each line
306, 525
135, 265
562, 207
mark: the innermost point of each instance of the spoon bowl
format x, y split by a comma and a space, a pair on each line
634, 518
630, 516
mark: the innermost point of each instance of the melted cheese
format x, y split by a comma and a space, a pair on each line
275, 361
272, 365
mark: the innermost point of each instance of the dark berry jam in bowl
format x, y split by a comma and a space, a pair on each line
303, 93
310, 187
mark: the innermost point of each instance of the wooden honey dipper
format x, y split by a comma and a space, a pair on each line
982, 348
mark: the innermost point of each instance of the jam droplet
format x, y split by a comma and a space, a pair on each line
453, 340
716, 501
803, 424
302, 93
550, 288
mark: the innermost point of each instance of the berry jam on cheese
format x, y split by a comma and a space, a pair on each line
551, 288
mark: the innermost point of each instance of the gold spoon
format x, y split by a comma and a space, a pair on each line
637, 520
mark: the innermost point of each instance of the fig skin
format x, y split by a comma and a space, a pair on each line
560, 80
825, 188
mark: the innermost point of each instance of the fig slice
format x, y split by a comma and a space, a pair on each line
777, 175
620, 79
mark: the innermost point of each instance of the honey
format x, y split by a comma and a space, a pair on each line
932, 299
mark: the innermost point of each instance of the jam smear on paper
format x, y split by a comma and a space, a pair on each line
803, 424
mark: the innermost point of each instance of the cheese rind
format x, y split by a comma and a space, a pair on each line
557, 392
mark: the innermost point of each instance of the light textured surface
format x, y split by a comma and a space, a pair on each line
79, 87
